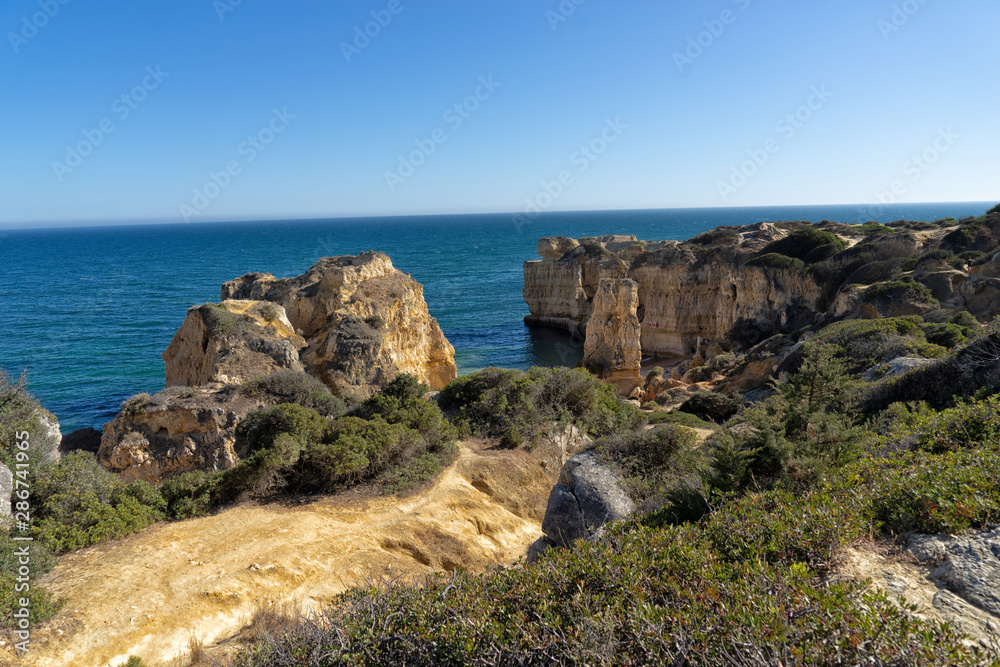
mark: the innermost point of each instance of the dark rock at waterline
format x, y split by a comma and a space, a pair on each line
82, 440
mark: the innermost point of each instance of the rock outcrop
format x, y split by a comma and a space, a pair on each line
586, 497
966, 565
355, 323
6, 489
231, 343
363, 321
613, 334
688, 293
175, 431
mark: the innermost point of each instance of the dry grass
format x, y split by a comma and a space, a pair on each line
270, 618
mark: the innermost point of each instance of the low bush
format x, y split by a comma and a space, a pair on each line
641, 596
513, 406
969, 371
681, 419
947, 336
773, 260
78, 503
930, 493
904, 290
710, 406
800, 243
294, 387
260, 429
219, 321
652, 464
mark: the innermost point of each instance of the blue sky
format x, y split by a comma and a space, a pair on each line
677, 105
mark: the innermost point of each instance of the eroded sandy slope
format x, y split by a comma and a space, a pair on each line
151, 594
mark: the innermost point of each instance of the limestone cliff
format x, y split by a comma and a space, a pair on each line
688, 293
231, 343
613, 334
364, 322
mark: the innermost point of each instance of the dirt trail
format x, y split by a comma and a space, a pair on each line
152, 593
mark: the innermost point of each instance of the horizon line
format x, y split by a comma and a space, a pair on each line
131, 222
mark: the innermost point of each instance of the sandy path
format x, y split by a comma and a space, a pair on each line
151, 594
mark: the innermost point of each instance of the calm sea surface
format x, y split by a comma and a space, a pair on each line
89, 310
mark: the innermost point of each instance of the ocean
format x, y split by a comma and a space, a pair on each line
87, 311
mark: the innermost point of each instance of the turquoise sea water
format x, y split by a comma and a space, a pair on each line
89, 310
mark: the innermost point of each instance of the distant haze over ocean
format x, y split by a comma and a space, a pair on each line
89, 310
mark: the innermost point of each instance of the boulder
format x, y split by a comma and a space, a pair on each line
587, 496
6, 489
966, 565
230, 343
47, 439
175, 431
363, 321
538, 547
81, 440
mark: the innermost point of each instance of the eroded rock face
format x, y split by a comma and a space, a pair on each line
231, 343
364, 322
586, 497
178, 430
689, 295
613, 334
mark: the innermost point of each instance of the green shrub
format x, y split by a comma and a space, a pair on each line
219, 321
995, 209
773, 260
945, 335
641, 596
710, 406
652, 464
260, 429
866, 343
968, 371
802, 242
515, 405
723, 234
269, 313
189, 494
931, 493
876, 272
905, 289
405, 387
294, 387
969, 425
681, 419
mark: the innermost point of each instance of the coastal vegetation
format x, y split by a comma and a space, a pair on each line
867, 428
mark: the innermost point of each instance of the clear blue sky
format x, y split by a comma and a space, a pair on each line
898, 85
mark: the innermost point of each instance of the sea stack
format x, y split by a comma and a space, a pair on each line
613, 333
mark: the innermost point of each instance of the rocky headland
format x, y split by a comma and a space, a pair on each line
734, 288
354, 323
